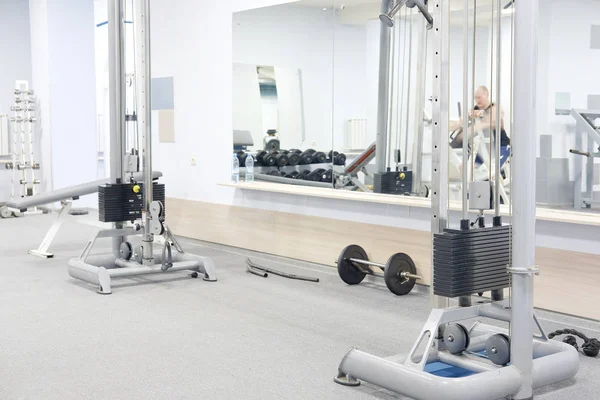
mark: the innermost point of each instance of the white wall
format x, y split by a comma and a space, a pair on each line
566, 64
62, 34
15, 53
293, 37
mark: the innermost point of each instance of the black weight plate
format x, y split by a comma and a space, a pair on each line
346, 269
394, 267
340, 159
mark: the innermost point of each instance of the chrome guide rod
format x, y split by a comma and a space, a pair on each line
142, 20
465, 155
384, 92
523, 196
498, 108
116, 77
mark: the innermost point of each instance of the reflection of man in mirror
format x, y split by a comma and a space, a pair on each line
484, 115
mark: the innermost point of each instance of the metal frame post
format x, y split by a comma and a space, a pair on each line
116, 93
384, 91
144, 74
419, 127
440, 121
523, 195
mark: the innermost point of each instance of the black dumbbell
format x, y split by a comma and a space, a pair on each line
269, 159
281, 159
337, 158
307, 157
327, 176
315, 175
293, 158
292, 175
275, 173
302, 175
241, 156
319, 157
260, 157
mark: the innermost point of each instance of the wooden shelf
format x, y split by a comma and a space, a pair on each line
543, 214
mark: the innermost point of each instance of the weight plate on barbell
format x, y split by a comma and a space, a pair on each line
497, 348
346, 269
395, 266
456, 338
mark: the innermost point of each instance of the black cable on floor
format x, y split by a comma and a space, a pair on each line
591, 347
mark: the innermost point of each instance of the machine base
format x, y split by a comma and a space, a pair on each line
346, 380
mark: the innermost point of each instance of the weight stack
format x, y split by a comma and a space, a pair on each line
398, 183
119, 203
470, 262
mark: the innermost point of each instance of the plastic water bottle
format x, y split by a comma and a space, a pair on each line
235, 170
249, 168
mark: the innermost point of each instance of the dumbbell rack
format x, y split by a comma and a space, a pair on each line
23, 165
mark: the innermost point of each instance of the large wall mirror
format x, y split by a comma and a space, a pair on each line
568, 109
283, 81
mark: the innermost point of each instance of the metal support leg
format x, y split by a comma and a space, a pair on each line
42, 250
578, 167
589, 173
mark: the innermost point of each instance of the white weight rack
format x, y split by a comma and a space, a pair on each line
23, 164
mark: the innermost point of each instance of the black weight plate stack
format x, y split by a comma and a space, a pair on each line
470, 262
119, 203
346, 269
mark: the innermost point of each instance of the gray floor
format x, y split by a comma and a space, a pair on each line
243, 337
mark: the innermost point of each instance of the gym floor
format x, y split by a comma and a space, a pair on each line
173, 337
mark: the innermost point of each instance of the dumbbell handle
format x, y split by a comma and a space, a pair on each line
405, 275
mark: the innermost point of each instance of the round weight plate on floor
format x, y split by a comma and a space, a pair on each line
346, 269
395, 266
497, 348
424, 191
456, 338
5, 212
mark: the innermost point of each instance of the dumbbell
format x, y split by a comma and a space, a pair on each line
315, 175
337, 158
241, 155
319, 157
275, 173
399, 272
292, 175
327, 176
258, 158
293, 158
302, 175
307, 157
281, 159
268, 159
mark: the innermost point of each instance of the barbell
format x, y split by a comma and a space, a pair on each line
400, 273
